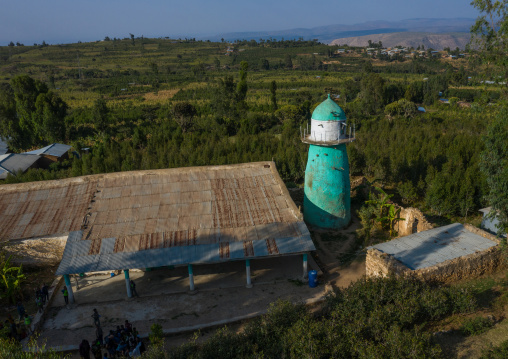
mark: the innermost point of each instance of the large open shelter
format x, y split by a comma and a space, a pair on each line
146, 219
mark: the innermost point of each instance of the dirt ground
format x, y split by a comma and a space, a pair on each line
39, 258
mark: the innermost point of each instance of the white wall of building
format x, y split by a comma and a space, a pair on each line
327, 130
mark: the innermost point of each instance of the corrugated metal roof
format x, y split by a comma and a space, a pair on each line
55, 149
13, 162
188, 215
428, 248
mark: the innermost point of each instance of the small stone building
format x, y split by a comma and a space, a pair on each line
445, 254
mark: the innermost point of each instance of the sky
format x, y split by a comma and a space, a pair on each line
63, 21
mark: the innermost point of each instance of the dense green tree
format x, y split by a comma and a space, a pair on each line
288, 62
50, 111
184, 113
494, 165
490, 33
100, 115
273, 95
372, 93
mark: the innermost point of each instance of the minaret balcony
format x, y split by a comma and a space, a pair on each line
323, 141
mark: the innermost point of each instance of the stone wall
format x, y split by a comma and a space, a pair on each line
379, 264
414, 222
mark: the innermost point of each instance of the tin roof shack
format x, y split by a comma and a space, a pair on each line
147, 219
12, 163
445, 254
53, 153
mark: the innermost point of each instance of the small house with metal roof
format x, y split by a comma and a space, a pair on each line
52, 153
446, 253
12, 163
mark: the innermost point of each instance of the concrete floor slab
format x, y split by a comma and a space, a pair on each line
164, 298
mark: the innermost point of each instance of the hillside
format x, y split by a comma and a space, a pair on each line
410, 39
328, 33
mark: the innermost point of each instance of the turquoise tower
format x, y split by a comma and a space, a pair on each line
327, 201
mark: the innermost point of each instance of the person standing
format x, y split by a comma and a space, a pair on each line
84, 349
28, 324
21, 310
133, 288
65, 294
45, 292
96, 317
38, 301
99, 335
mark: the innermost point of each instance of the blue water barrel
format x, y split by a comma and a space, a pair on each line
312, 279
112, 274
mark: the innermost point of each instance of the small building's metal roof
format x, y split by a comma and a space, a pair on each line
55, 149
428, 248
486, 210
13, 162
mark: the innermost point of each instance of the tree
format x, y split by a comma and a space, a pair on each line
273, 95
288, 62
265, 65
241, 87
100, 115
11, 44
494, 164
490, 32
372, 93
132, 39
50, 110
184, 113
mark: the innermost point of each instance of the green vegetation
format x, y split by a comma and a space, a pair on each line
11, 278
381, 318
476, 326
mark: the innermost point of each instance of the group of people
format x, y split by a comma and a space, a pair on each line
122, 342
23, 327
41, 296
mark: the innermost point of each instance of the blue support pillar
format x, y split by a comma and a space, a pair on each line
127, 283
191, 278
69, 288
247, 269
305, 272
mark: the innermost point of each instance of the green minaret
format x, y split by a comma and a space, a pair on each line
327, 201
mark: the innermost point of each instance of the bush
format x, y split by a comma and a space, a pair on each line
500, 352
403, 108
476, 326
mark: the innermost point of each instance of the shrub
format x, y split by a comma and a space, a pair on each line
500, 352
403, 108
476, 326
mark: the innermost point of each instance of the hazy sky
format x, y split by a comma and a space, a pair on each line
57, 21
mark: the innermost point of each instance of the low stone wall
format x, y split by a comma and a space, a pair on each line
379, 264
414, 222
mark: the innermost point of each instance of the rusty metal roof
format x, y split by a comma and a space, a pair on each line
165, 217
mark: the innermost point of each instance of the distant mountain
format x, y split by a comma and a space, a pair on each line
329, 33
410, 39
